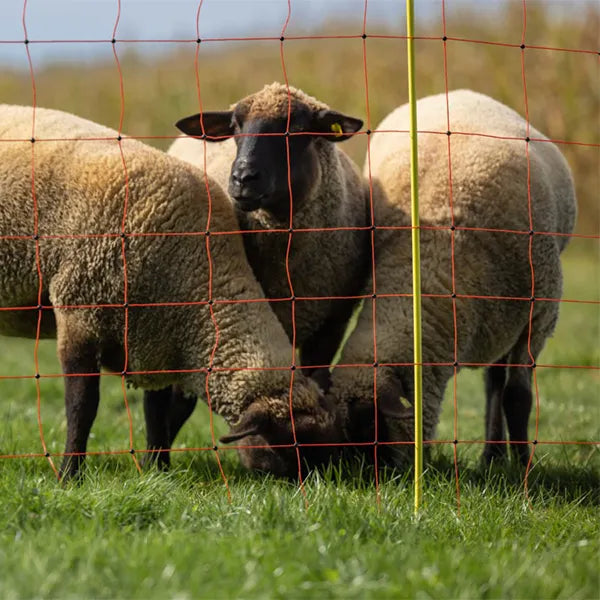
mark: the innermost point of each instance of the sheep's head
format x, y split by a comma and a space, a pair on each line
265, 124
365, 421
267, 439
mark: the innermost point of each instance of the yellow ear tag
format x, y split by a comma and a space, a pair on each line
337, 129
404, 401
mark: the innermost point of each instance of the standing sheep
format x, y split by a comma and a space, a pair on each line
324, 191
91, 208
489, 192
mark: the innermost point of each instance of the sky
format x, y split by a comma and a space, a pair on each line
176, 19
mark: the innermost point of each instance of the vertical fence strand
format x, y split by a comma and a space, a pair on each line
452, 265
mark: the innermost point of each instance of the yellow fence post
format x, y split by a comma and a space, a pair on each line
416, 256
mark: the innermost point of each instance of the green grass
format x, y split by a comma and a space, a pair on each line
123, 535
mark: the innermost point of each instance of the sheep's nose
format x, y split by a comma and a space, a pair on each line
242, 174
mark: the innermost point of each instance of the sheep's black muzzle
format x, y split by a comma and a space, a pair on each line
245, 201
246, 185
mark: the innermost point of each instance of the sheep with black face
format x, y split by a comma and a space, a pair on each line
286, 173
276, 152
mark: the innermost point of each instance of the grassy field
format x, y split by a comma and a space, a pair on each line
123, 535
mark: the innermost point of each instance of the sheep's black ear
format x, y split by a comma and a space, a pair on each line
336, 126
217, 125
253, 422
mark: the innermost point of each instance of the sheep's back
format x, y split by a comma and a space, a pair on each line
88, 190
219, 156
479, 164
488, 191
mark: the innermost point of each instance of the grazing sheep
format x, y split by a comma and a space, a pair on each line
88, 211
327, 191
489, 192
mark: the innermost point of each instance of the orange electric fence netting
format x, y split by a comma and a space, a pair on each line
443, 39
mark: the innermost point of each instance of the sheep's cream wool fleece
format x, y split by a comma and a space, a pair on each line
86, 194
488, 190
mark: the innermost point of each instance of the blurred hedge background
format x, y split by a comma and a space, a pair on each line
563, 87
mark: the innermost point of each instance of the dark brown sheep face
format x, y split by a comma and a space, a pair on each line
391, 422
260, 176
267, 444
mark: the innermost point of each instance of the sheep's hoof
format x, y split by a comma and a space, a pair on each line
159, 459
70, 470
520, 455
494, 454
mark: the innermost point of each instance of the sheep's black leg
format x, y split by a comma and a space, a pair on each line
157, 408
495, 380
82, 395
517, 401
182, 406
